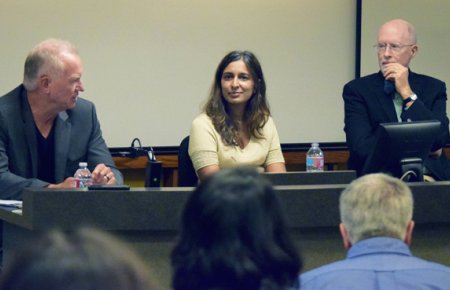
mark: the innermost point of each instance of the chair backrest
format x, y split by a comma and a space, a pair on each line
186, 172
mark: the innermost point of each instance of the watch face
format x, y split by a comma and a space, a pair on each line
413, 97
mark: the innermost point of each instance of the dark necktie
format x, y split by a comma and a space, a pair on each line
389, 88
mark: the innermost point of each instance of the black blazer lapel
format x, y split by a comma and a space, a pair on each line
416, 84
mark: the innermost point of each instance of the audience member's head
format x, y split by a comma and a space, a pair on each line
86, 259
376, 205
234, 236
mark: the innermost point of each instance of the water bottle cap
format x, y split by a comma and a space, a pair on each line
315, 144
82, 164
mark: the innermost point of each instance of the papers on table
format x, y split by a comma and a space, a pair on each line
11, 203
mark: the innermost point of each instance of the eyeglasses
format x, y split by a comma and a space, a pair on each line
381, 47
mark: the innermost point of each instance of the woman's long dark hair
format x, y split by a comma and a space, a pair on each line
234, 236
257, 110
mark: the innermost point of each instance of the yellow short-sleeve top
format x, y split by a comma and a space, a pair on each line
206, 147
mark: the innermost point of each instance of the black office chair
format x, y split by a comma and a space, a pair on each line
186, 172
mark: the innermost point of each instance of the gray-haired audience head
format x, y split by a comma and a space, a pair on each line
46, 59
376, 205
86, 259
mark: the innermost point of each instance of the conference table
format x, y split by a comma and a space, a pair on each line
148, 219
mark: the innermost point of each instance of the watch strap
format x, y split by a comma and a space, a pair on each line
407, 100
411, 98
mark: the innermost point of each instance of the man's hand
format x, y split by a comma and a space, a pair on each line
69, 182
399, 75
103, 175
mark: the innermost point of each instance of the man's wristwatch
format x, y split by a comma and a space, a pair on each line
411, 98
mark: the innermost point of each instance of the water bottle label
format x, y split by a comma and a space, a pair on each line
85, 183
82, 183
314, 163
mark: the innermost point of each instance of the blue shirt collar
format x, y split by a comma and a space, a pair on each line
379, 245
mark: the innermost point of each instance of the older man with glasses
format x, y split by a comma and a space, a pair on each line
395, 94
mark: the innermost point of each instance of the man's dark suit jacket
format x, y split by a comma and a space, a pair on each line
366, 106
78, 138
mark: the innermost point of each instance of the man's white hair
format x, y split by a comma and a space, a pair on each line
46, 59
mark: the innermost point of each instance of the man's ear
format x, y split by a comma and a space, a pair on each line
414, 50
44, 82
345, 236
409, 231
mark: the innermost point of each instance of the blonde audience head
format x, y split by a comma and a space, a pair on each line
376, 205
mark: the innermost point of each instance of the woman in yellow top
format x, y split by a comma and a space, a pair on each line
235, 127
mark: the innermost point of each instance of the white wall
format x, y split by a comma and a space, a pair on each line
149, 63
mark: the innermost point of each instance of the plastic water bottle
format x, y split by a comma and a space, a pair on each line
314, 158
83, 177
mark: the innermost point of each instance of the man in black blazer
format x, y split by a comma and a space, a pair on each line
395, 94
46, 129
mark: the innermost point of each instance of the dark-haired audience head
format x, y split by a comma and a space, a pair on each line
86, 259
234, 236
376, 205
